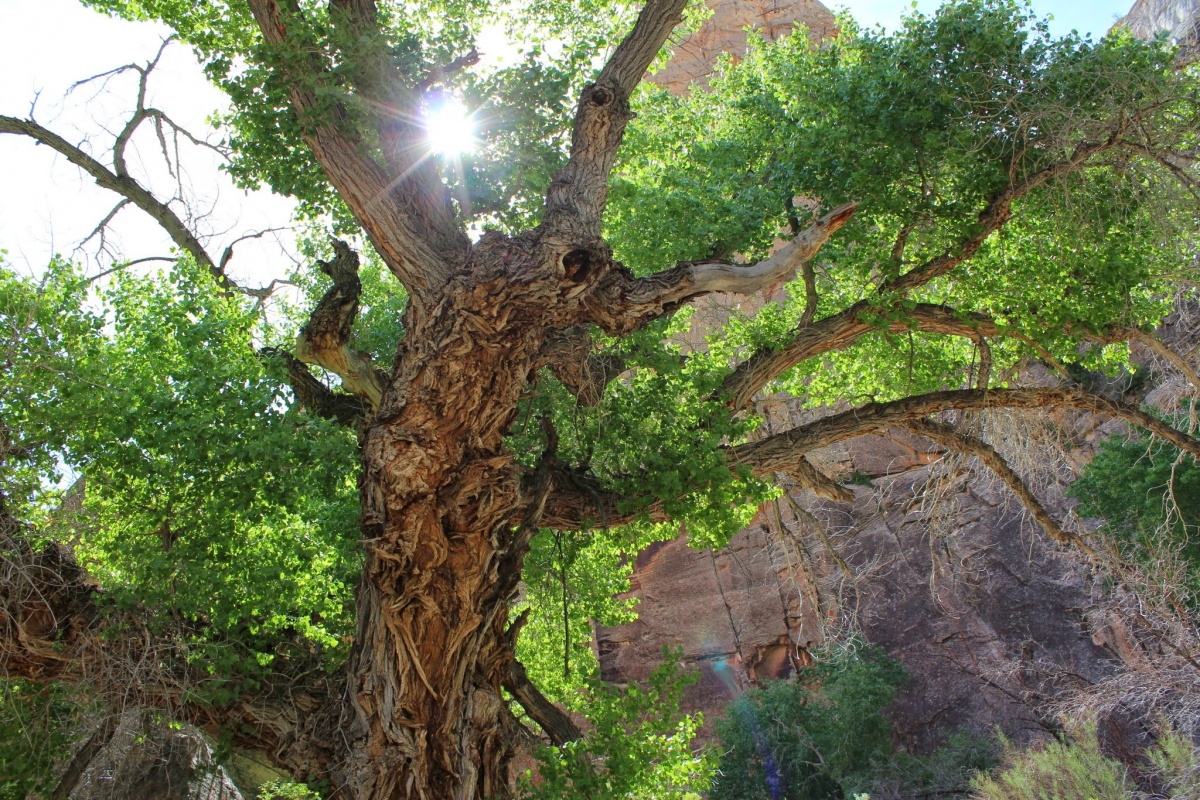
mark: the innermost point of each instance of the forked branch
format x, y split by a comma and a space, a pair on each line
623, 303
996, 213
324, 339
125, 186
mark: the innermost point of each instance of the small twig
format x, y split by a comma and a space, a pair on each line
439, 74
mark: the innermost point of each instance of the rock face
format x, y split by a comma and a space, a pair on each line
1179, 19
725, 32
983, 611
148, 760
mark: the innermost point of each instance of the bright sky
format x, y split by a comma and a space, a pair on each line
47, 207
1085, 16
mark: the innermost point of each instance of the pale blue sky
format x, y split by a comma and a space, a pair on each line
1094, 16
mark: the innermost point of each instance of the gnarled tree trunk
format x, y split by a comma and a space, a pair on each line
443, 505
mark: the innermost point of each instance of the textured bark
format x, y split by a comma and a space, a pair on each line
447, 514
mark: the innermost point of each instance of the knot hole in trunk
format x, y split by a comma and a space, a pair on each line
578, 265
600, 96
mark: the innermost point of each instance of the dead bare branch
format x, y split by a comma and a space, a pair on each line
323, 340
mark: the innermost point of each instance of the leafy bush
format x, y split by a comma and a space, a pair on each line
819, 735
946, 772
38, 724
1146, 493
286, 790
1076, 768
639, 747
824, 735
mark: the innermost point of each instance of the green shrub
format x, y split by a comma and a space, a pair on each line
1148, 496
821, 734
286, 790
38, 724
639, 746
1076, 768
946, 772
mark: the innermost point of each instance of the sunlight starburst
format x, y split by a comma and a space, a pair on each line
450, 128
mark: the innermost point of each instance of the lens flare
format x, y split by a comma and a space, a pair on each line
450, 128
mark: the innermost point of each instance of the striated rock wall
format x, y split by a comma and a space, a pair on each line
934, 563
934, 560
1180, 19
725, 32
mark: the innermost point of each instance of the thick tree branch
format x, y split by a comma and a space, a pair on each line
947, 436
623, 303
578, 193
395, 110
841, 331
577, 501
549, 717
408, 229
568, 354
346, 409
323, 340
779, 451
809, 476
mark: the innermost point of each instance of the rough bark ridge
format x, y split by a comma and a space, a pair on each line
443, 502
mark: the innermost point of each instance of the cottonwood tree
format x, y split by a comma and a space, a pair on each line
955, 201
